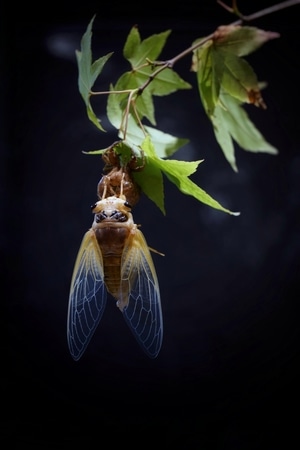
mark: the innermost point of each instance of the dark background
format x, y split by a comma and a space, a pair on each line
227, 375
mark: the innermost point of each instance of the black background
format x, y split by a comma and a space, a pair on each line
227, 375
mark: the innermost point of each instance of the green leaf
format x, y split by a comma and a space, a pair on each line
114, 110
140, 54
165, 144
208, 85
220, 69
166, 82
177, 172
234, 75
242, 40
219, 65
225, 80
137, 51
150, 180
88, 72
132, 43
231, 121
223, 137
143, 103
188, 187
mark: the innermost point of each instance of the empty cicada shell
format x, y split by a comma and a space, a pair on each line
117, 175
110, 185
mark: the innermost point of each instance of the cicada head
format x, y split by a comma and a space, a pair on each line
112, 209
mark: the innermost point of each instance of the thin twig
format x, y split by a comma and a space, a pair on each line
137, 117
126, 112
261, 13
125, 91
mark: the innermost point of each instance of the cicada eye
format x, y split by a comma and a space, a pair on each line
93, 206
127, 204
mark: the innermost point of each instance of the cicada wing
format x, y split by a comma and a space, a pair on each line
88, 295
143, 311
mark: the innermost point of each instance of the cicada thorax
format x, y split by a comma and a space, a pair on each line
118, 179
113, 227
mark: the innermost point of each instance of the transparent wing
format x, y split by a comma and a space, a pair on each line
143, 312
87, 295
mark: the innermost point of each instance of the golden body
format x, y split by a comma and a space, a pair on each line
114, 257
114, 230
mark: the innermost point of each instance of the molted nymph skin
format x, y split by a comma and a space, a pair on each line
119, 180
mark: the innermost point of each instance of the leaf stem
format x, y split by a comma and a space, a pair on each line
125, 91
172, 61
126, 112
163, 66
260, 13
137, 116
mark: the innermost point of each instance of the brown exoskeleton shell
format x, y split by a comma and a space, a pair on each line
119, 181
117, 178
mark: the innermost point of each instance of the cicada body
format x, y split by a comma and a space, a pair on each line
114, 257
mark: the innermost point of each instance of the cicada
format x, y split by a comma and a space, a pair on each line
115, 258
